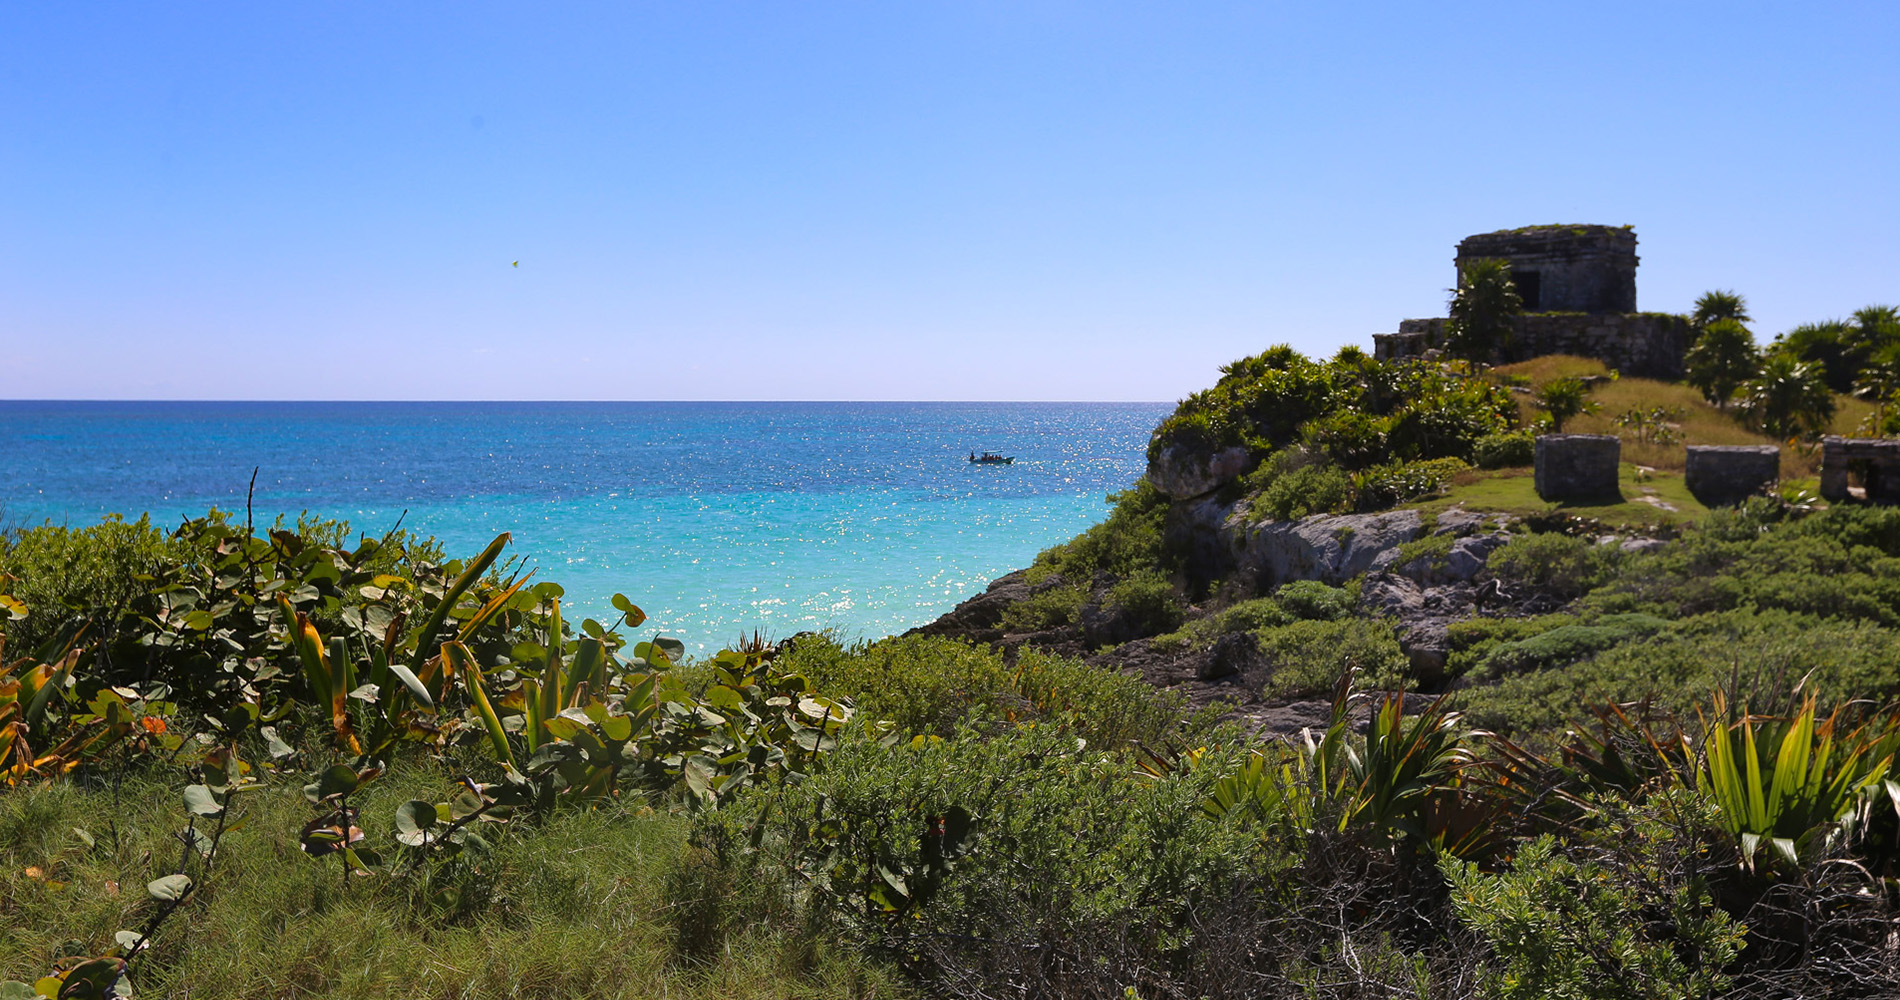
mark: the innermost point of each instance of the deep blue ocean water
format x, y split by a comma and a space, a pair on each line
716, 518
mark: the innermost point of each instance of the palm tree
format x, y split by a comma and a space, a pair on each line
1879, 381
1875, 330
1563, 398
1722, 359
1788, 397
1482, 309
1715, 306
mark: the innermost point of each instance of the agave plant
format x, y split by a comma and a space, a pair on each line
1787, 783
1404, 781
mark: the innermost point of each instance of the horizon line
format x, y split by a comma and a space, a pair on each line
106, 399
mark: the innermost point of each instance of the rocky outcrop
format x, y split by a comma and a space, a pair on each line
1326, 547
1421, 597
1184, 473
980, 619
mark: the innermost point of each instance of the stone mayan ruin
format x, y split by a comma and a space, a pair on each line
1861, 469
1577, 466
1578, 284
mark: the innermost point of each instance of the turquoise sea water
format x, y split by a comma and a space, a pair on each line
717, 518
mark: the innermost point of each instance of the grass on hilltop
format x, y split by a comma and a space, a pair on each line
1700, 422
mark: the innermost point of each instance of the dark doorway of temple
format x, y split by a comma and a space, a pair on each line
1528, 285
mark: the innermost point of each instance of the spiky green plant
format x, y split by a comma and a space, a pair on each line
1785, 783
1562, 399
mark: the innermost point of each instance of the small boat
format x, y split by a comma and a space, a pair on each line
990, 458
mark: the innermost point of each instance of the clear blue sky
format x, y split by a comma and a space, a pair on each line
886, 200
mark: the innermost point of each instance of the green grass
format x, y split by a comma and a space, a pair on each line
1700, 423
1514, 492
583, 905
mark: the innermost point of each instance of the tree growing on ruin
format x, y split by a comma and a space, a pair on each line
1483, 307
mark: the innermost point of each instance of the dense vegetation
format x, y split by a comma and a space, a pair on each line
366, 771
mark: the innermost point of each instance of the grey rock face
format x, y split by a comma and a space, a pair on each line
1468, 555
1326, 547
1725, 475
1184, 474
1577, 466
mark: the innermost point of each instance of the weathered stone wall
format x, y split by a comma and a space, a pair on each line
1641, 345
1577, 466
1725, 475
1588, 269
1875, 460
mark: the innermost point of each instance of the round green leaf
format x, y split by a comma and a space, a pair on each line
169, 889
414, 819
201, 801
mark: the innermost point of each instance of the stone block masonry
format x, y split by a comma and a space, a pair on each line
1725, 475
1640, 345
1874, 461
1578, 466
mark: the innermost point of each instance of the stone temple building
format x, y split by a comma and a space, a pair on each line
1578, 284
1583, 269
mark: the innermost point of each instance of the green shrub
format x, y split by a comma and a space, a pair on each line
1636, 925
1564, 566
1759, 654
929, 848
1307, 658
1354, 410
1315, 601
66, 575
1448, 420
1391, 485
1313, 489
1505, 450
1247, 616
1127, 542
1474, 638
932, 685
923, 684
577, 906
1839, 564
1054, 607
1566, 644
1352, 439
1147, 602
